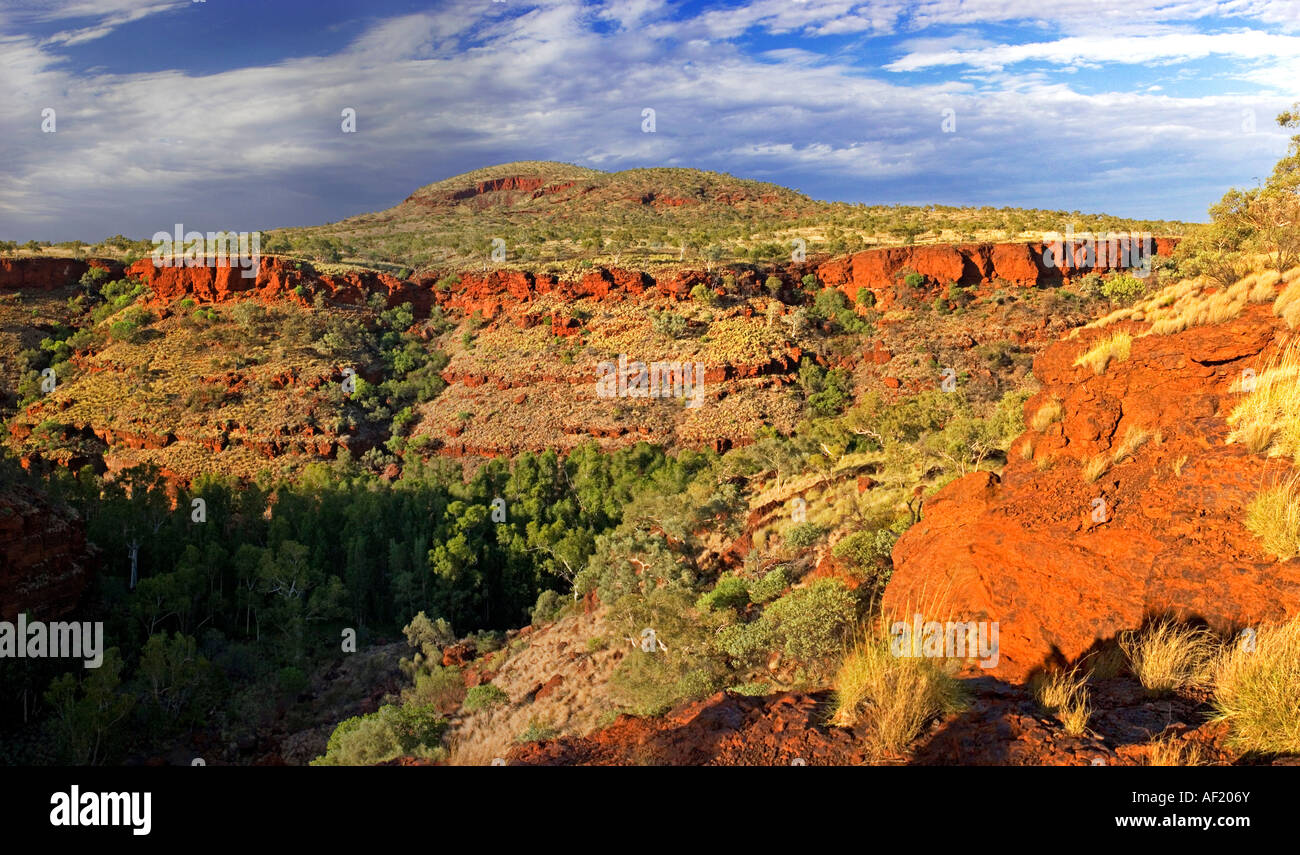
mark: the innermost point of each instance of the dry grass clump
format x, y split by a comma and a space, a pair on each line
1257, 690
1064, 694
1268, 418
1049, 413
895, 696
1094, 467
1287, 304
1172, 751
1195, 302
1274, 518
1134, 438
1115, 347
1167, 656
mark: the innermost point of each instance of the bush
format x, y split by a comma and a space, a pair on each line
730, 593
1122, 288
812, 624
652, 682
669, 324
393, 731
867, 551
702, 293
803, 535
770, 586
549, 605
484, 696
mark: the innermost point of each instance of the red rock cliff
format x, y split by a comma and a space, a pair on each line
1062, 563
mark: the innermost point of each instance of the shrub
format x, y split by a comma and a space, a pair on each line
93, 279
774, 285
867, 551
652, 682
803, 535
1122, 288
729, 593
484, 696
702, 293
1257, 690
812, 624
549, 605
669, 324
392, 731
770, 586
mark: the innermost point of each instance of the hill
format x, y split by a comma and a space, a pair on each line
558, 218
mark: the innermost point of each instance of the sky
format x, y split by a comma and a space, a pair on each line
228, 114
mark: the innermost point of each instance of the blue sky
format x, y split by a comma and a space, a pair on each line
225, 114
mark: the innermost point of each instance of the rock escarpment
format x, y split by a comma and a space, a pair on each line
1064, 564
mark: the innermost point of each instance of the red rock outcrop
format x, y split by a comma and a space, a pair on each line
44, 274
1020, 264
1063, 564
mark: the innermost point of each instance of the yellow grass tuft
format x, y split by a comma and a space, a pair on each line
1134, 438
1094, 467
1064, 694
1274, 518
1268, 418
1115, 347
1167, 656
1026, 450
895, 696
1257, 689
1049, 413
1172, 751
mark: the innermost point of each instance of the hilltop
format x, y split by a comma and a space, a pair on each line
558, 218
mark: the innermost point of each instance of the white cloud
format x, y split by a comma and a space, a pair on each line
475, 83
1106, 48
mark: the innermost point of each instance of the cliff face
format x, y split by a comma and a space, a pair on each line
1019, 264
981, 265
44, 274
1062, 563
44, 562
